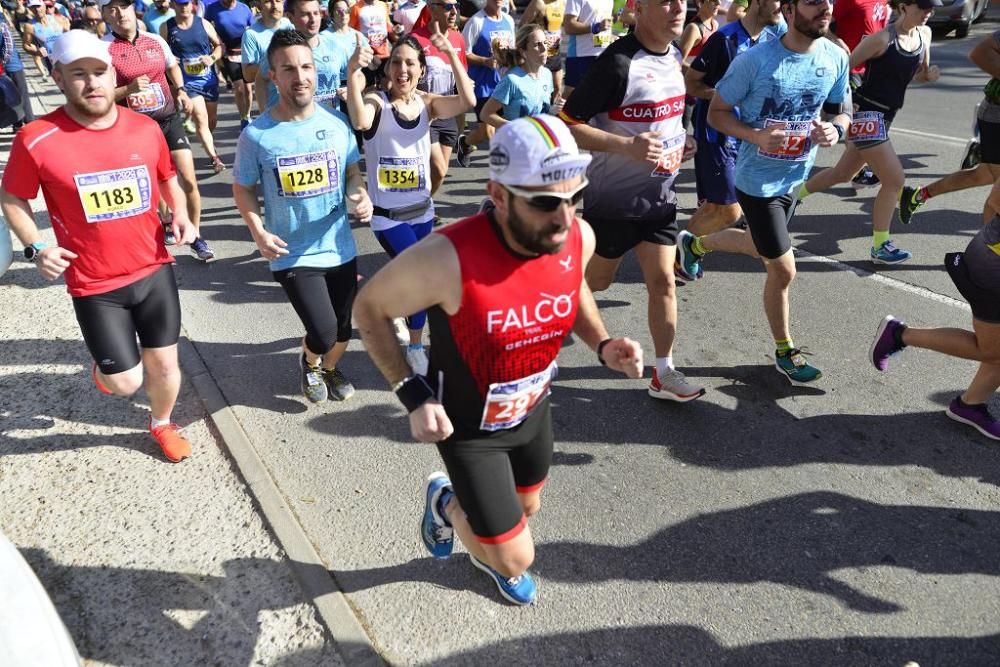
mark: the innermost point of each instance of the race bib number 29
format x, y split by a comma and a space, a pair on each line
796, 144
509, 403
307, 174
114, 194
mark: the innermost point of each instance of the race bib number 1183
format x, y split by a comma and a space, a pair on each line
114, 194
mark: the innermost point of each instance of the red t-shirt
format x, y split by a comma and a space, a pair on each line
858, 18
439, 78
101, 188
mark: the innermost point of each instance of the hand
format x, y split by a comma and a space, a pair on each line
769, 138
430, 423
623, 355
342, 93
824, 134
932, 73
184, 230
43, 52
439, 41
271, 246
603, 25
690, 148
491, 63
53, 260
208, 60
184, 102
646, 147
362, 56
360, 206
137, 85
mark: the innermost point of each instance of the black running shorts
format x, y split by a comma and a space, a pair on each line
173, 130
617, 237
444, 131
322, 298
989, 141
234, 71
488, 470
110, 322
767, 219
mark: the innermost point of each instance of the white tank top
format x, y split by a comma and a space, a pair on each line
399, 168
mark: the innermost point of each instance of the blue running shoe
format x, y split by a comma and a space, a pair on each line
435, 531
520, 590
889, 254
688, 263
243, 124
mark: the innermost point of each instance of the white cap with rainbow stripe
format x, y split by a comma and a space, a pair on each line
535, 151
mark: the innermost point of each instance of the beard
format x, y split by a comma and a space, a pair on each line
533, 240
91, 108
804, 27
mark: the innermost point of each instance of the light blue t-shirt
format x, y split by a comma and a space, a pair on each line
154, 19
771, 84
301, 168
347, 41
331, 62
256, 40
524, 95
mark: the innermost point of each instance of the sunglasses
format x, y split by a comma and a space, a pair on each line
447, 6
816, 3
549, 201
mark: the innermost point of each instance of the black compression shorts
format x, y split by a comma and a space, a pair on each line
233, 71
768, 218
488, 470
110, 322
322, 298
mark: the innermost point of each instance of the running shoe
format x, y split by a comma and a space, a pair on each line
168, 229
202, 250
417, 359
218, 166
908, 204
189, 126
884, 345
338, 387
243, 123
312, 381
97, 381
865, 178
435, 531
976, 416
673, 386
973, 155
402, 332
463, 152
520, 590
486, 205
688, 263
174, 445
889, 254
794, 366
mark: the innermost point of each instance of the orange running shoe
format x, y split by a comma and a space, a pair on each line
97, 381
174, 445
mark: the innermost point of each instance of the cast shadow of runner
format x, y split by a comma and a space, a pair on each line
798, 541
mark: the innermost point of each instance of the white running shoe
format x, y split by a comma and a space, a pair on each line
417, 359
402, 333
673, 386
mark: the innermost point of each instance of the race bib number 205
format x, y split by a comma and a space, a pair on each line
796, 144
114, 194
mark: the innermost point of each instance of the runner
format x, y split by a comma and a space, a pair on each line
371, 19
406, 14
396, 127
548, 14
697, 32
254, 47
894, 56
305, 160
715, 161
976, 274
329, 56
439, 79
109, 240
40, 35
91, 21
197, 47
150, 82
780, 88
986, 56
526, 89
627, 110
231, 18
488, 29
156, 15
14, 67
587, 25
507, 289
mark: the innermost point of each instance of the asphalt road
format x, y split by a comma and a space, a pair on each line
848, 524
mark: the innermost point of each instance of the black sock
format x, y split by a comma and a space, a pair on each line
897, 336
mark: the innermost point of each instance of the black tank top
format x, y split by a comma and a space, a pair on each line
886, 77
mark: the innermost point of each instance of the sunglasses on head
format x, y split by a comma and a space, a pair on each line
549, 201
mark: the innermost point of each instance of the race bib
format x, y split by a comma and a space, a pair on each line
376, 38
194, 66
114, 194
603, 39
509, 403
307, 174
500, 39
670, 159
147, 101
867, 126
552, 40
401, 174
796, 144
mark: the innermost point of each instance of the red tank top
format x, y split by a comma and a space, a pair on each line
514, 315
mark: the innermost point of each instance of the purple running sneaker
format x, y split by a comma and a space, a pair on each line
885, 345
976, 416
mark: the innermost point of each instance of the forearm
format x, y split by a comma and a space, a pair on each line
19, 217
173, 195
356, 100
573, 26
463, 84
355, 181
481, 61
726, 122
592, 139
698, 88
379, 337
589, 326
249, 208
260, 92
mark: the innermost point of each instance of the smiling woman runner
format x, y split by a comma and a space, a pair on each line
396, 130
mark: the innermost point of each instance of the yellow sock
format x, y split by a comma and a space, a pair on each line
803, 192
879, 238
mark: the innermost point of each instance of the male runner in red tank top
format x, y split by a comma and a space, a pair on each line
506, 289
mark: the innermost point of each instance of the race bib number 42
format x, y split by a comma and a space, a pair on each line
867, 126
509, 403
796, 143
404, 174
114, 194
307, 174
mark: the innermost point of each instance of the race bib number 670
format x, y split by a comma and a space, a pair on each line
114, 194
796, 143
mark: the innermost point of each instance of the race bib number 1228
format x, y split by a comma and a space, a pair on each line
307, 174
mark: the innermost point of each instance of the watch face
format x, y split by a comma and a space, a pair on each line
30, 252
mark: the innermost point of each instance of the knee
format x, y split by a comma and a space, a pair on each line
598, 282
515, 561
661, 285
781, 274
125, 383
531, 507
893, 181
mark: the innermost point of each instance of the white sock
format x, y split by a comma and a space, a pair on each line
156, 423
663, 364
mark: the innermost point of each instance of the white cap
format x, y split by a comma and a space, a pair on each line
78, 44
535, 150
34, 3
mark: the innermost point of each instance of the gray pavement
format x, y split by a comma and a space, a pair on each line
846, 524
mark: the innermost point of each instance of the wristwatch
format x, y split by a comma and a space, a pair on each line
31, 251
